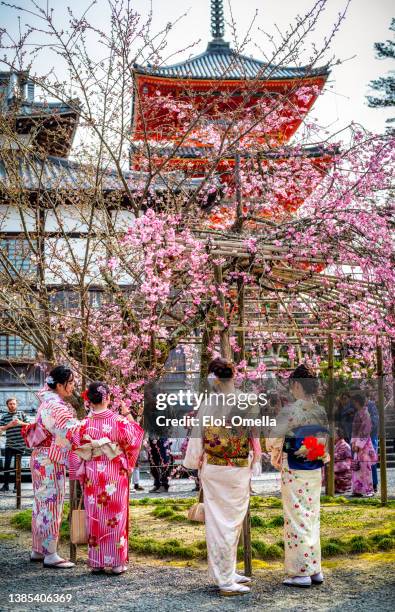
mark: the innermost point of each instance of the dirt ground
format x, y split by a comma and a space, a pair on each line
361, 583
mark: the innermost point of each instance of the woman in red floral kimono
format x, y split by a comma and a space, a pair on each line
106, 450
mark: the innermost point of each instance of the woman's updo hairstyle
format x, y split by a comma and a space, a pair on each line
306, 378
60, 375
97, 392
222, 368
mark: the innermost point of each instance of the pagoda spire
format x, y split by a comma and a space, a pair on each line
217, 20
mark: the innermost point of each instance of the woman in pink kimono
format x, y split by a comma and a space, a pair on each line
48, 463
364, 455
342, 464
106, 448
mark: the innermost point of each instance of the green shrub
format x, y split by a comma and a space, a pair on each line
178, 518
331, 549
359, 545
162, 512
257, 521
274, 552
386, 543
277, 521
260, 548
22, 520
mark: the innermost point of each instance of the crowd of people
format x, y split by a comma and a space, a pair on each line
356, 444
102, 450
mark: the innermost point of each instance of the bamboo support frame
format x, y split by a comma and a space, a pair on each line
382, 436
330, 474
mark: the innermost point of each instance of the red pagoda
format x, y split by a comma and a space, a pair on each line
217, 84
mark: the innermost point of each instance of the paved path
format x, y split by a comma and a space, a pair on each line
354, 587
267, 484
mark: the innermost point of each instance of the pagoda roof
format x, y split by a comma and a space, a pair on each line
55, 173
198, 152
51, 124
219, 61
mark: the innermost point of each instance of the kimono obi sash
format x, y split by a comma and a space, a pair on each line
95, 449
223, 446
294, 442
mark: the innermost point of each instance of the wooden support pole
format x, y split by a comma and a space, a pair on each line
247, 543
330, 474
240, 357
18, 481
73, 504
382, 436
226, 350
393, 374
241, 333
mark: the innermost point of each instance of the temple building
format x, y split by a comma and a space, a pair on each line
42, 194
186, 116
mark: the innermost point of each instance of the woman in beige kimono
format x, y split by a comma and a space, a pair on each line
298, 450
225, 458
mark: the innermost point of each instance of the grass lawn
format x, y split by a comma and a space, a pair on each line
160, 529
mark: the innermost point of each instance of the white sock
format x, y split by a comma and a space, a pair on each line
36, 555
52, 558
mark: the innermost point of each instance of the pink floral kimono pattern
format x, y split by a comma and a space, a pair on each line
48, 467
105, 482
342, 466
364, 454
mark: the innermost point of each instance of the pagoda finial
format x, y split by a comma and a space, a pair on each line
217, 19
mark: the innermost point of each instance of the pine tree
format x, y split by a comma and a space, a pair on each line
384, 85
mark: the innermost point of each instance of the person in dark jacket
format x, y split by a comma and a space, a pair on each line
15, 445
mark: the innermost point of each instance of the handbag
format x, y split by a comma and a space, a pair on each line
355, 464
196, 512
78, 531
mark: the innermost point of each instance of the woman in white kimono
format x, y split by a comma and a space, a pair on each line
299, 454
224, 457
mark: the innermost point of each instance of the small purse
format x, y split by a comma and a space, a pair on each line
78, 531
355, 464
196, 512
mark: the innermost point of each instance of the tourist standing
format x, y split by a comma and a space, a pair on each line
15, 444
298, 449
342, 464
107, 446
48, 465
364, 455
224, 457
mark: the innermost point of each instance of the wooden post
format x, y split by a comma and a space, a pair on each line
240, 357
241, 333
226, 350
18, 481
73, 504
204, 354
247, 543
382, 436
330, 474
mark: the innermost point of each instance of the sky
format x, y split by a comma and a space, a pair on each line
344, 97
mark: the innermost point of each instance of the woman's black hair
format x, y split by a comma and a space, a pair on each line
306, 378
359, 397
222, 368
60, 375
97, 391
